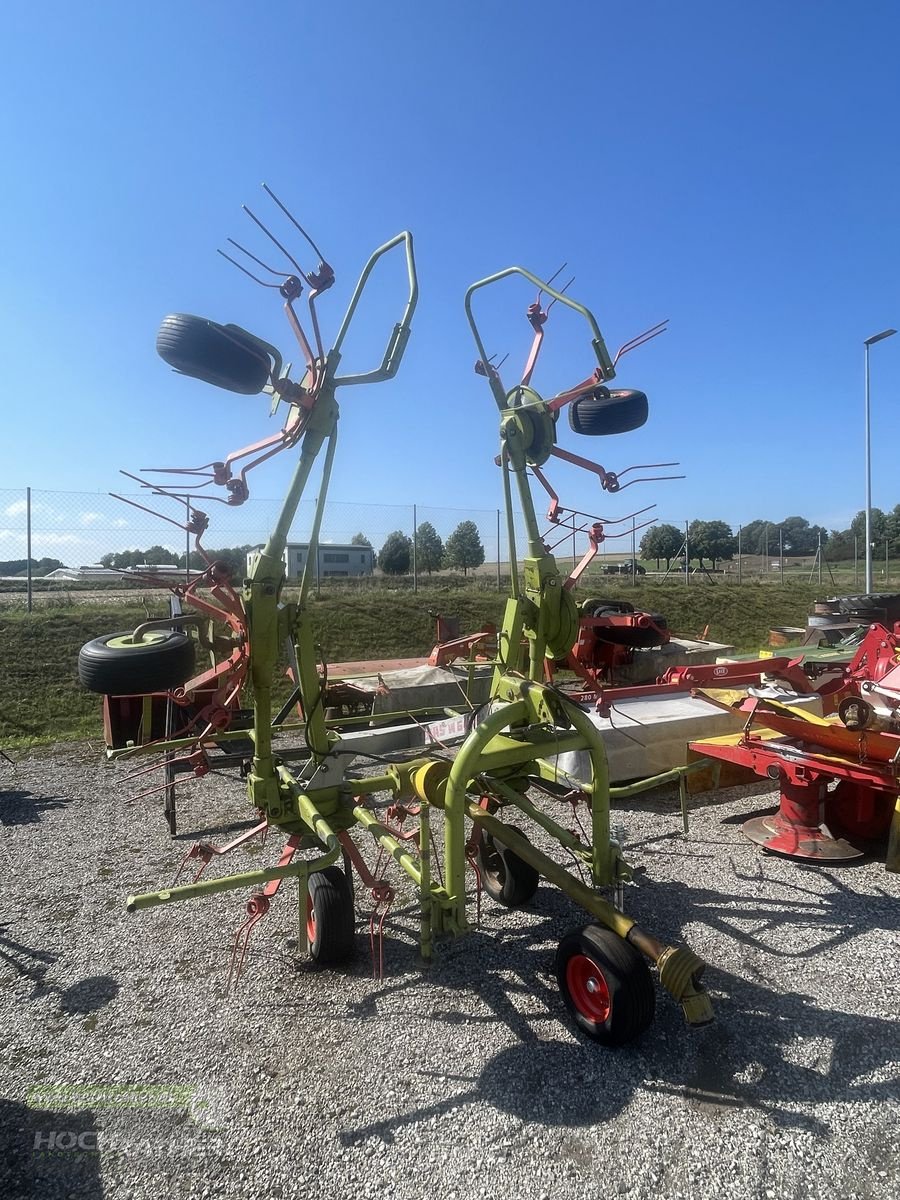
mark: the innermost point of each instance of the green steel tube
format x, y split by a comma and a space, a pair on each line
604, 857
510, 525
312, 444
310, 567
228, 883
562, 835
309, 814
400, 334
596, 336
425, 921
465, 767
625, 791
892, 862
605, 912
410, 864
679, 968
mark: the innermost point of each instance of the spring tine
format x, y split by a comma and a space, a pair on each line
562, 291
261, 282
258, 261
143, 508
550, 280
294, 221
273, 238
641, 338
648, 467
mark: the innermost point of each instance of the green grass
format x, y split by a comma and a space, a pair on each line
41, 700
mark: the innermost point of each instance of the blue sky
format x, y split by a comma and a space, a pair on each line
733, 167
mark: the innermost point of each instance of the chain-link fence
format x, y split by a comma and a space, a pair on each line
42, 530
78, 530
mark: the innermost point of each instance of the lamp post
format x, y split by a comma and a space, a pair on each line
876, 337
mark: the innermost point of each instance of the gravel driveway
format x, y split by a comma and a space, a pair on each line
128, 1072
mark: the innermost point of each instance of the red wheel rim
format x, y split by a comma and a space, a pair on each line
588, 989
310, 920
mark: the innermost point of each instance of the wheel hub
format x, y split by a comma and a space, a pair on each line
588, 989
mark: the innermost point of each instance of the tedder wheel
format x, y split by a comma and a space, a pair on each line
507, 878
602, 411
330, 917
224, 355
116, 665
606, 985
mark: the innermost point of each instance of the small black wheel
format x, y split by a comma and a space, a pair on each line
224, 355
116, 665
606, 985
330, 917
505, 877
602, 411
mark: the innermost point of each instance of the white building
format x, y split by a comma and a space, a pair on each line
335, 561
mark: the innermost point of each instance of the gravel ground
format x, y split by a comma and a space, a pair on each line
465, 1081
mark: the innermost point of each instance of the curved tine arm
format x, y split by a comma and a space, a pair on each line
401, 331
607, 370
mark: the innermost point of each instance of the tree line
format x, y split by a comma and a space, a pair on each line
716, 541
462, 550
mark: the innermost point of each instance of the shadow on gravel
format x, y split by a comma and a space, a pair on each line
27, 962
26, 808
48, 1155
32, 964
751, 1057
782, 1054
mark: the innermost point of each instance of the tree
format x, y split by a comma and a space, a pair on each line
429, 548
756, 537
159, 556
360, 539
394, 556
799, 537
841, 545
662, 541
710, 539
463, 547
879, 528
46, 565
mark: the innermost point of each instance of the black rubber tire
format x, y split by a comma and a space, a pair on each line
596, 607
163, 661
621, 977
602, 411
219, 354
330, 917
505, 877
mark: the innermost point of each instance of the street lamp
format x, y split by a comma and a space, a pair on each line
876, 337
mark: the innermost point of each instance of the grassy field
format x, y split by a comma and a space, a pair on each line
41, 700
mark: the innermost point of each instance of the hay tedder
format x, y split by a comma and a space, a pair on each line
438, 813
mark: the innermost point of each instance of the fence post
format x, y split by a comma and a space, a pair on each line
28, 545
687, 557
187, 542
633, 551
819, 558
415, 560
781, 552
740, 564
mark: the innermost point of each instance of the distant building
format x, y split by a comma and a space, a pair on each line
335, 561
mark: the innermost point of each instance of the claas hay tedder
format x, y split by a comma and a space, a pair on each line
330, 803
